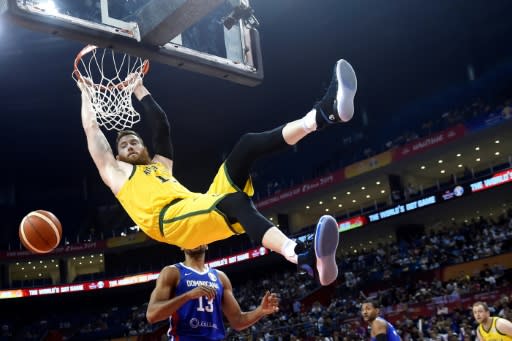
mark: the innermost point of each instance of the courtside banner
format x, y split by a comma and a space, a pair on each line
98, 246
367, 165
431, 141
496, 180
305, 188
402, 208
123, 281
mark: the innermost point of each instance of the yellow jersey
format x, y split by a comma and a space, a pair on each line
148, 189
493, 334
167, 211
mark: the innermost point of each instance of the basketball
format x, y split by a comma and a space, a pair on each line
40, 231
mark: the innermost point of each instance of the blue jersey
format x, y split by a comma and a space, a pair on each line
198, 319
391, 333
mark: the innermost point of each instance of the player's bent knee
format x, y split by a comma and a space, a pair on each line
238, 207
234, 201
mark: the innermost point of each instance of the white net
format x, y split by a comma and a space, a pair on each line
110, 77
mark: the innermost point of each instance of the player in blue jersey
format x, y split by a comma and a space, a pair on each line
194, 297
380, 329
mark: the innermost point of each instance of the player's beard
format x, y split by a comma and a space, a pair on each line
142, 158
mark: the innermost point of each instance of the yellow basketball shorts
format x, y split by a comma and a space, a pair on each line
195, 221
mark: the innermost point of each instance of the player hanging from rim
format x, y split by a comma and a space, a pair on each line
168, 212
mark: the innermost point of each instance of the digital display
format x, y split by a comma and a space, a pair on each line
123, 281
456, 192
496, 180
399, 209
352, 223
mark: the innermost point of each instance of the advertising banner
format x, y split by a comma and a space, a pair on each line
431, 141
98, 246
367, 165
305, 188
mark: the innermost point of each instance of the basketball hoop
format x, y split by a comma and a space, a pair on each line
110, 78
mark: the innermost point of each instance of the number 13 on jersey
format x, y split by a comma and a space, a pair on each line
208, 308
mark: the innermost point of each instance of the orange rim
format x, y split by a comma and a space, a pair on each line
89, 48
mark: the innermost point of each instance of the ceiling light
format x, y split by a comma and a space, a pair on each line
497, 153
320, 203
307, 207
422, 167
442, 171
459, 155
340, 205
459, 165
497, 141
477, 159
383, 191
368, 196
354, 200
326, 210
348, 193
377, 183
271, 218
363, 188
440, 161
333, 198
477, 148
50, 7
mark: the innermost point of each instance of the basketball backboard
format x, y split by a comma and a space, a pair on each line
213, 37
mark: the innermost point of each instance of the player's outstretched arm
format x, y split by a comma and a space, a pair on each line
238, 319
97, 143
504, 326
157, 121
162, 304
